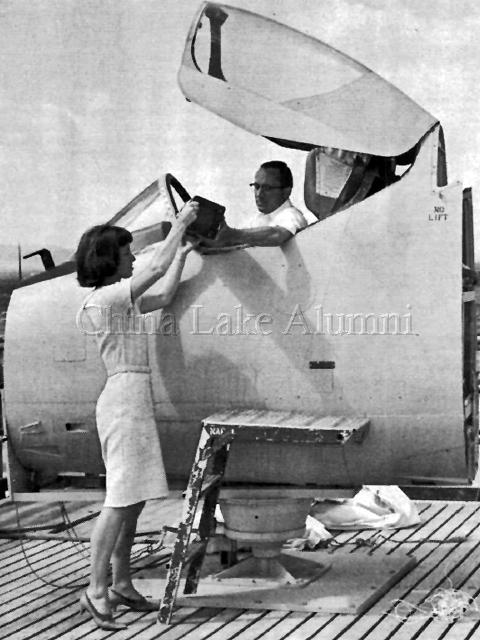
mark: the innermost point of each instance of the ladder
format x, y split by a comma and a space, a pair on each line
218, 432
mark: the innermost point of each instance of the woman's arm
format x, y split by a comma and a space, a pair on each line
165, 253
161, 293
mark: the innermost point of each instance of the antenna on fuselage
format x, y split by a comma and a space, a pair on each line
19, 252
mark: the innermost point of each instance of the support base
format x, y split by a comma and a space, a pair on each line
353, 583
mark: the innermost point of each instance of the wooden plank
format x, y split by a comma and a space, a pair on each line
287, 426
23, 579
289, 627
460, 630
214, 625
264, 625
380, 536
15, 558
38, 554
55, 605
187, 620
394, 538
349, 585
268, 418
184, 621
11, 548
41, 593
20, 620
469, 626
242, 621
300, 625
78, 569
278, 626
448, 517
40, 559
39, 624
61, 621
381, 621
463, 576
38, 595
67, 623
360, 626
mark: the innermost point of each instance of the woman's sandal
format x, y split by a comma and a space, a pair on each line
102, 620
135, 604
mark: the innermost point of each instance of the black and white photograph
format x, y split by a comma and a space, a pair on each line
239, 282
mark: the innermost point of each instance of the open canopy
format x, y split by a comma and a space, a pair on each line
282, 84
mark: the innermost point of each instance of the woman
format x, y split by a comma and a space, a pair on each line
124, 413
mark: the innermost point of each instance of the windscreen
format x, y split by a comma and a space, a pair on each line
266, 61
277, 82
148, 216
150, 207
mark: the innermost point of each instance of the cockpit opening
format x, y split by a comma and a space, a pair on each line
336, 179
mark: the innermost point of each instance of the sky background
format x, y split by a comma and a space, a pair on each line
91, 113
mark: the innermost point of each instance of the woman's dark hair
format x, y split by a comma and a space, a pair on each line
98, 256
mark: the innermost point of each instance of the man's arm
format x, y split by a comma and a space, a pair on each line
258, 236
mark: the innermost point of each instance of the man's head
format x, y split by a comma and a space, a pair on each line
273, 185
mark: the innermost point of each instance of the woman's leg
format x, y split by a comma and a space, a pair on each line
121, 574
102, 543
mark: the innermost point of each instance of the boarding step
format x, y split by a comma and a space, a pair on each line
287, 426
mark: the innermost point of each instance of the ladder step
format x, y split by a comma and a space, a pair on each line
195, 549
211, 480
170, 529
292, 427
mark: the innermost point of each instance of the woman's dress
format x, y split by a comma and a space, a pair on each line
124, 413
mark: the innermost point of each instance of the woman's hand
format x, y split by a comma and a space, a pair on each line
188, 213
188, 245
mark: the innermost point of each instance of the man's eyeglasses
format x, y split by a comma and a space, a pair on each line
265, 187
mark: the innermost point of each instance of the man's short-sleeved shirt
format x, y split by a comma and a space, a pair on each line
286, 216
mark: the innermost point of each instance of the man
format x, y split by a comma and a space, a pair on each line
276, 221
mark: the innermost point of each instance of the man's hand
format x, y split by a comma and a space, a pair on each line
228, 238
224, 237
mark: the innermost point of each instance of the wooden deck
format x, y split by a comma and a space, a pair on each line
40, 581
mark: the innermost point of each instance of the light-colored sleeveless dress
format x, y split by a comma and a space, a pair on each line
124, 413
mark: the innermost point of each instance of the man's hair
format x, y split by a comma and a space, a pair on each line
285, 174
98, 256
